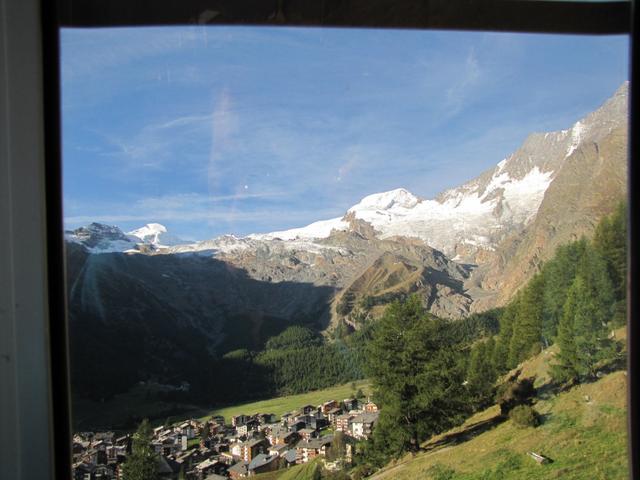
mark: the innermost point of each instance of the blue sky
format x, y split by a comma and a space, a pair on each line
212, 130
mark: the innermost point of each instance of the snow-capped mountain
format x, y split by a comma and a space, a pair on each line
480, 213
100, 238
156, 234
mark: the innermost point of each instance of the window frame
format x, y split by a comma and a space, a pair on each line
30, 41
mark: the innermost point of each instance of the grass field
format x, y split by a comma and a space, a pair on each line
305, 471
281, 405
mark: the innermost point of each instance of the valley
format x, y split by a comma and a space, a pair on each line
503, 294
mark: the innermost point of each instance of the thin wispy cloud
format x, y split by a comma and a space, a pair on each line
464, 84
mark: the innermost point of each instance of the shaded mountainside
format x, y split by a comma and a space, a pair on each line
136, 317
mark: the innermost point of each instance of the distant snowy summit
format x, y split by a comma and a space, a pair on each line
101, 238
156, 234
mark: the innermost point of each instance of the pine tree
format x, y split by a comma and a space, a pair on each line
527, 326
559, 274
142, 463
610, 241
501, 352
582, 333
481, 374
338, 447
567, 358
417, 376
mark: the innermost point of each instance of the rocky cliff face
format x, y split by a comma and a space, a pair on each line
590, 179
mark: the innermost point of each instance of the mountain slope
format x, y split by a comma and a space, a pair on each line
581, 427
589, 184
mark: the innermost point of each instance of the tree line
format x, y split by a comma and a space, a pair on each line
575, 301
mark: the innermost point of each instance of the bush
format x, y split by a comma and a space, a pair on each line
515, 392
524, 416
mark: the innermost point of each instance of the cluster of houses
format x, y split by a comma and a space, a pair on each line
216, 450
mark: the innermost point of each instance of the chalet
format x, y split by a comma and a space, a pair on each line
217, 420
252, 448
236, 449
263, 463
238, 420
281, 436
227, 458
188, 429
350, 404
104, 436
294, 427
308, 433
287, 418
307, 409
308, 450
278, 449
333, 413
167, 468
239, 470
289, 458
343, 422
370, 407
265, 418
104, 472
211, 465
186, 460
327, 406
124, 441
288, 438
362, 425
317, 423
167, 446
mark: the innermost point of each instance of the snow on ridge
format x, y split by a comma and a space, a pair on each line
577, 133
320, 229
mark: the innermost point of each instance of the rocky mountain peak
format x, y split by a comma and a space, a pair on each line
101, 238
398, 198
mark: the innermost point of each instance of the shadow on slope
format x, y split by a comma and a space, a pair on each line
170, 319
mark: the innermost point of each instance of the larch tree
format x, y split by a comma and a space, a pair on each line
417, 375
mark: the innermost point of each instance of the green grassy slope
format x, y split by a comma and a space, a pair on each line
306, 471
583, 431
